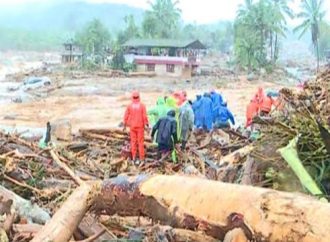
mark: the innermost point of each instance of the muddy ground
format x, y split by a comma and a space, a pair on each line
90, 100
100, 102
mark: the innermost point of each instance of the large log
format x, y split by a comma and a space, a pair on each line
25, 208
60, 228
217, 208
27, 228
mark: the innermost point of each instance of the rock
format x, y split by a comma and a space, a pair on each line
62, 130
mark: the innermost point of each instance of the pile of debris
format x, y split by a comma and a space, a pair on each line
47, 176
302, 126
86, 189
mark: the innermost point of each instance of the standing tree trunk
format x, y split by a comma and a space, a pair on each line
276, 48
318, 55
271, 45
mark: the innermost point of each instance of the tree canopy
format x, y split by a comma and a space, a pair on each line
311, 14
258, 28
162, 20
94, 38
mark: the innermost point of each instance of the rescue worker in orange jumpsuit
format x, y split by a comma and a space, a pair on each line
259, 97
266, 105
251, 111
136, 119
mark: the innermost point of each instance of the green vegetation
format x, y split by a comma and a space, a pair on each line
94, 38
131, 30
254, 37
163, 20
258, 28
324, 41
20, 39
312, 14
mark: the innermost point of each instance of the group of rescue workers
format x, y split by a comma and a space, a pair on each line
174, 117
261, 105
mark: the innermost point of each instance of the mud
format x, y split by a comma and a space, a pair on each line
101, 102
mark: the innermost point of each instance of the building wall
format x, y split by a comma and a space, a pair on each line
161, 70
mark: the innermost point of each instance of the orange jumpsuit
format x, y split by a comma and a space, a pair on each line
251, 112
259, 97
266, 105
136, 118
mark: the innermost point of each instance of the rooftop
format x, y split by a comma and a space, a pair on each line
165, 43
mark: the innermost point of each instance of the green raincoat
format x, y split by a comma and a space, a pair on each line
157, 112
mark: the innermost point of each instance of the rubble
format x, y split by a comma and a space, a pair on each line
48, 176
84, 186
303, 116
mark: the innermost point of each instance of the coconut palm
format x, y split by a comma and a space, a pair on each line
244, 9
280, 10
312, 14
164, 18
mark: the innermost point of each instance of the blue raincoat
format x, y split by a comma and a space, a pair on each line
223, 116
197, 112
206, 112
217, 101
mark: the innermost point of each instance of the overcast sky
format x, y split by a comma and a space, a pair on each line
200, 11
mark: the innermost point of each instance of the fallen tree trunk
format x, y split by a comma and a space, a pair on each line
66, 168
25, 208
217, 208
236, 156
27, 228
60, 228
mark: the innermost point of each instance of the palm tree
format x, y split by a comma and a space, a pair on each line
244, 9
312, 14
280, 10
167, 15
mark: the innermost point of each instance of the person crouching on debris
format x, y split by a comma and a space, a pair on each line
136, 119
266, 105
224, 115
206, 112
251, 112
259, 97
197, 112
217, 101
166, 135
186, 119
